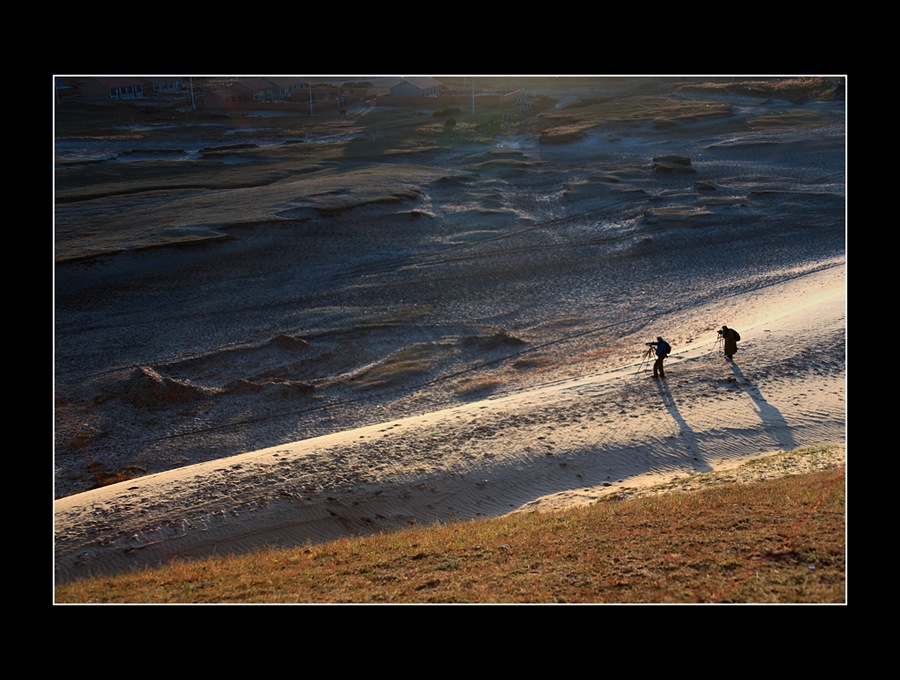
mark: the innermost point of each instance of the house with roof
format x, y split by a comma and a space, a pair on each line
238, 93
131, 87
114, 87
285, 85
417, 86
261, 89
168, 85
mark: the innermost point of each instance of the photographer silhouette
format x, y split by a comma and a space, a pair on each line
663, 349
731, 337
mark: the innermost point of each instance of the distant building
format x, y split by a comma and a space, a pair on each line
285, 85
167, 85
418, 86
130, 87
115, 87
219, 99
261, 89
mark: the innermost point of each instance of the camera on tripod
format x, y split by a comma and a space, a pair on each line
721, 332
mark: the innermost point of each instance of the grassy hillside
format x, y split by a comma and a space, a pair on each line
779, 540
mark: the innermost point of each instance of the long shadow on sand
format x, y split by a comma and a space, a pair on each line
772, 420
689, 437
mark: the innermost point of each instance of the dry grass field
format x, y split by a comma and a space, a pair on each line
777, 536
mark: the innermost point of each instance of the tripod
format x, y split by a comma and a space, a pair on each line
720, 342
647, 355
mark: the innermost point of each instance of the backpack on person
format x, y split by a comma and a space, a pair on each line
665, 348
737, 336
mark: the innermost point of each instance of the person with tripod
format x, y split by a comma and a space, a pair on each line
663, 349
731, 338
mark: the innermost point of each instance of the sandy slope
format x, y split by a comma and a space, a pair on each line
546, 447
